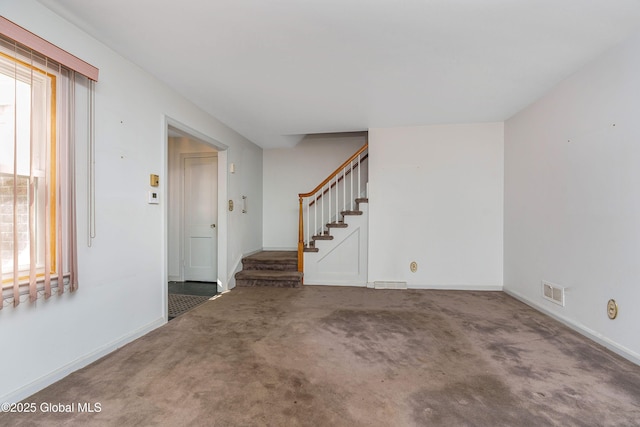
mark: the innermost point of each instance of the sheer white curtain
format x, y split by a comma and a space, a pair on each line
45, 108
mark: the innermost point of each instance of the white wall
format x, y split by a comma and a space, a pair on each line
435, 197
572, 198
246, 181
123, 275
290, 171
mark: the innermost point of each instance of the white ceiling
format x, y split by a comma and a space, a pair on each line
275, 70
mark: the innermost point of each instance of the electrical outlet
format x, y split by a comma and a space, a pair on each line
612, 309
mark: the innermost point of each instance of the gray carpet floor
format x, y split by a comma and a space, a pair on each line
328, 356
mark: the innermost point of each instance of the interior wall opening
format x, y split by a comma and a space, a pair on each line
195, 235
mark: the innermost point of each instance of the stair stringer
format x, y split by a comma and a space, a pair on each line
343, 260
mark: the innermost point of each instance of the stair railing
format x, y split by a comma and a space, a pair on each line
335, 194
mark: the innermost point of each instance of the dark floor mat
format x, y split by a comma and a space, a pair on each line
179, 304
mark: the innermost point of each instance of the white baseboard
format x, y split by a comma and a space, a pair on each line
254, 252
456, 287
237, 266
581, 329
350, 284
58, 374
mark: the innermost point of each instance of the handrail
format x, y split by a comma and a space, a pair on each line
311, 193
315, 199
336, 172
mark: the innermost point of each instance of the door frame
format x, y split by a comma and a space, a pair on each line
182, 221
223, 276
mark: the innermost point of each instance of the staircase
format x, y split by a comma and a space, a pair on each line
333, 226
332, 235
270, 268
326, 233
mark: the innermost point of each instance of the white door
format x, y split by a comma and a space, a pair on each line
201, 218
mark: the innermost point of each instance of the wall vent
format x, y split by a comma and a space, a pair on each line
553, 293
390, 285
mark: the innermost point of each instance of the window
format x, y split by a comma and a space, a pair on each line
39, 101
25, 133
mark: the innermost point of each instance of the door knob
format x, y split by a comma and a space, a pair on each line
213, 226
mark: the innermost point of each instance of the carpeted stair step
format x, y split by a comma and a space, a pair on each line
345, 213
272, 260
311, 247
322, 237
270, 268
337, 225
280, 279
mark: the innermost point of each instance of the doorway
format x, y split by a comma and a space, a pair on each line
196, 224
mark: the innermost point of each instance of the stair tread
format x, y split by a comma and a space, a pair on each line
337, 225
362, 200
272, 257
351, 212
322, 237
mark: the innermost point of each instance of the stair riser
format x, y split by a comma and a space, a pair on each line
256, 265
269, 283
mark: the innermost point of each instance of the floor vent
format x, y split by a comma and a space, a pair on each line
553, 293
390, 285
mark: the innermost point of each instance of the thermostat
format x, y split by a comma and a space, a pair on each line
153, 198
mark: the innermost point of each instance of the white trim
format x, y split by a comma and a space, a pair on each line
52, 377
223, 279
255, 251
237, 266
457, 287
335, 283
580, 328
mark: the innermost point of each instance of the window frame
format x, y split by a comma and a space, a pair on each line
18, 69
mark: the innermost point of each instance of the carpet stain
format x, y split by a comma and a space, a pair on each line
322, 356
386, 336
502, 352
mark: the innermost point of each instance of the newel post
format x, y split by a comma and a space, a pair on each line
300, 239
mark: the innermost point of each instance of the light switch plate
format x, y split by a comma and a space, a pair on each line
153, 198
